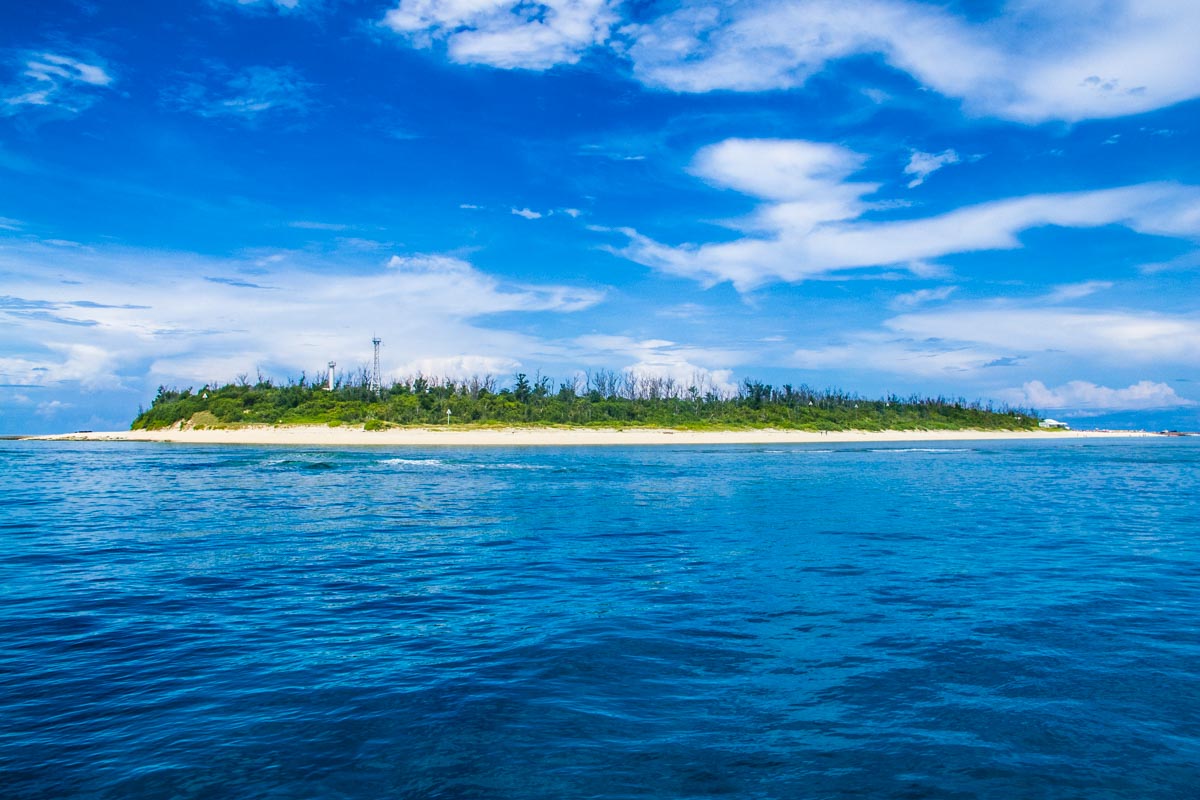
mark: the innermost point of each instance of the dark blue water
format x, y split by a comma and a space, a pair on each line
962, 621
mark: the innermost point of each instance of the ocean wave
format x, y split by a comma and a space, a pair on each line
919, 450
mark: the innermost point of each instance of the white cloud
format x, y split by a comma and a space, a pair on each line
287, 319
889, 353
457, 367
922, 296
1075, 291
788, 170
506, 33
91, 365
527, 213
1104, 335
810, 224
286, 5
245, 95
51, 408
1030, 62
54, 81
1071, 60
922, 165
1141, 396
660, 358
1183, 263
10, 224
318, 226
970, 342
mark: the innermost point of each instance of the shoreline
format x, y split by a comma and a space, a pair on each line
556, 437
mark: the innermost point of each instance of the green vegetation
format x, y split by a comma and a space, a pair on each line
601, 399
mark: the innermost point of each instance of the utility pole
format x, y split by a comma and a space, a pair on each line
376, 379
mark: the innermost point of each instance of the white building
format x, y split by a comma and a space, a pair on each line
1053, 423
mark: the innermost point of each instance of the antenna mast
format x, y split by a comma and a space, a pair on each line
376, 382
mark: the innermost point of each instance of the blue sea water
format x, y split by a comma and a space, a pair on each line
971, 620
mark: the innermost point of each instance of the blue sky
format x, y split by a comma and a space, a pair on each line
990, 200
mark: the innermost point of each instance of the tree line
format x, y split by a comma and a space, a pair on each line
599, 398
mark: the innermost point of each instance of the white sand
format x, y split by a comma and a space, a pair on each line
420, 437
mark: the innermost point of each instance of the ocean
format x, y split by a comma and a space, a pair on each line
970, 620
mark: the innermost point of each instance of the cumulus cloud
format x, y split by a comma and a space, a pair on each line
51, 408
684, 365
293, 316
809, 224
92, 366
1031, 62
505, 33
527, 213
1082, 395
922, 165
244, 95
457, 367
56, 82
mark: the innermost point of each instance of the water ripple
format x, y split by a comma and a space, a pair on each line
992, 620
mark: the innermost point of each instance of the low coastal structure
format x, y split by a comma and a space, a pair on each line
1053, 423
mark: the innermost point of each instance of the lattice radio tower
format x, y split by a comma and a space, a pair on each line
376, 383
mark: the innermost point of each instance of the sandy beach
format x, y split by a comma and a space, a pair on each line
557, 437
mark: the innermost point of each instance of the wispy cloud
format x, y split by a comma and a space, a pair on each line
192, 328
922, 296
52, 81
245, 95
1076, 291
280, 5
527, 213
506, 33
1183, 263
809, 223
922, 165
1031, 62
964, 341
318, 226
1129, 336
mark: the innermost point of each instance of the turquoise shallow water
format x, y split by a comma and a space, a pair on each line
968, 620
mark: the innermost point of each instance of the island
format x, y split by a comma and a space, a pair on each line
605, 407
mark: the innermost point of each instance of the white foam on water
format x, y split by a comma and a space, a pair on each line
920, 450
